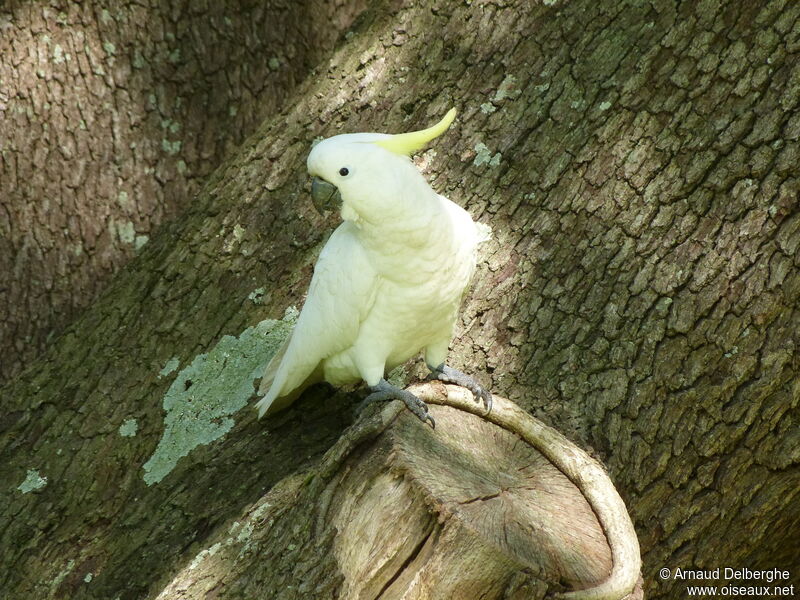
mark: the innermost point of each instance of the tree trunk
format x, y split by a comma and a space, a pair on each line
113, 114
638, 163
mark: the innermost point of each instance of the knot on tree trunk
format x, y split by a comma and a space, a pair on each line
484, 506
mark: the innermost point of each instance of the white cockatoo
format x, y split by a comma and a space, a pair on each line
389, 281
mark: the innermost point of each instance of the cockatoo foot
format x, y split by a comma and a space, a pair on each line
385, 391
450, 375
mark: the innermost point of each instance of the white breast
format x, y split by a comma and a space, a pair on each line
417, 300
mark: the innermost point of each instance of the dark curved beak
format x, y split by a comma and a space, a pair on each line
324, 195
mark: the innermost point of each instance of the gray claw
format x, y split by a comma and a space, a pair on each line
385, 391
450, 375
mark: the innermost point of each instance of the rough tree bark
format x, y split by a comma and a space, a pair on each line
113, 113
638, 163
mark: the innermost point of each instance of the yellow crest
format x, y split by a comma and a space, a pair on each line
407, 143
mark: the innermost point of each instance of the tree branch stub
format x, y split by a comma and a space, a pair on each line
479, 502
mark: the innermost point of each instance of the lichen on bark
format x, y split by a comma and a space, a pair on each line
204, 396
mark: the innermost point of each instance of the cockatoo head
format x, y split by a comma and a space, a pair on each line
370, 174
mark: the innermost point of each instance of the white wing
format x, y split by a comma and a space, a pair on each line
341, 293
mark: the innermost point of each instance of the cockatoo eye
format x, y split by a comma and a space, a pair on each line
344, 171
